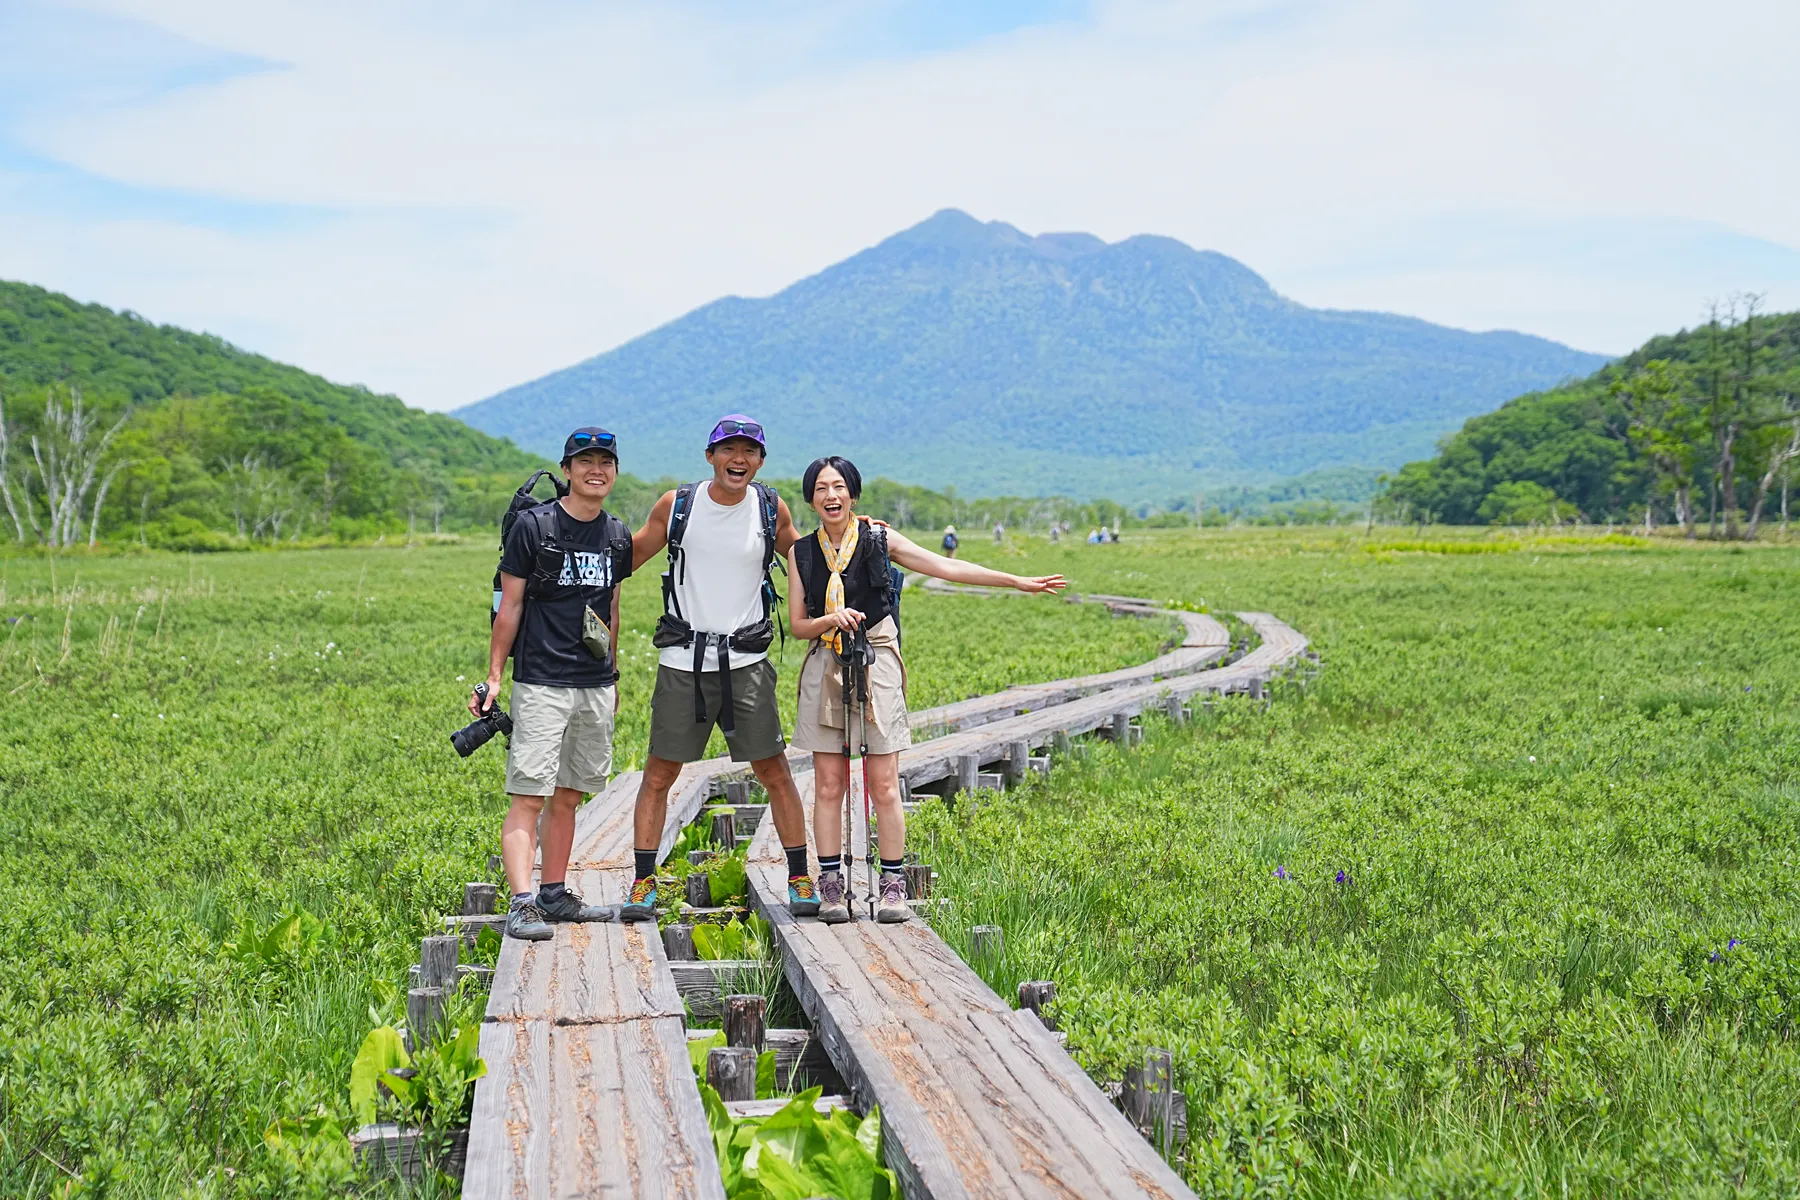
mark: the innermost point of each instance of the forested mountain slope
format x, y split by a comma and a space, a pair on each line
970, 354
1684, 416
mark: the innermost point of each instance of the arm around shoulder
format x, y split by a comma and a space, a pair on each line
649, 540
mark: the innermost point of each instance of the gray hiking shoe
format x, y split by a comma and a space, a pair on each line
525, 921
892, 908
569, 907
834, 901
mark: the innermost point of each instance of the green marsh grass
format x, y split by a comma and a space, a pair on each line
1561, 785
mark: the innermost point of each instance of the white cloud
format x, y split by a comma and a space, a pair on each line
506, 190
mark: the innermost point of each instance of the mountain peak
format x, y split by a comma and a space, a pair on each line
954, 229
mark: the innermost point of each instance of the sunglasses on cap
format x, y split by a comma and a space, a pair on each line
730, 429
593, 441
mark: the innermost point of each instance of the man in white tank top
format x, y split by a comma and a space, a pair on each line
714, 667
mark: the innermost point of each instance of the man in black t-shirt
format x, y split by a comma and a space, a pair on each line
558, 617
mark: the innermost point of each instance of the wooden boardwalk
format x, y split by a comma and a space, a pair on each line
978, 1101
589, 1090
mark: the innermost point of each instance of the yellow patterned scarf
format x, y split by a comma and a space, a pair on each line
835, 562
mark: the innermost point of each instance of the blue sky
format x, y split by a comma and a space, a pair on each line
442, 201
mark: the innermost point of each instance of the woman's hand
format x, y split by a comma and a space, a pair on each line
1040, 583
846, 619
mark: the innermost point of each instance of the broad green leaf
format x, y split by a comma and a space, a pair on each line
699, 1048
708, 941
381, 1051
765, 1075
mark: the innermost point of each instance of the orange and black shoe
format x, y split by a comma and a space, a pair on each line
803, 897
642, 904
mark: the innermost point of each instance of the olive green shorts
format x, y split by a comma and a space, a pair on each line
676, 736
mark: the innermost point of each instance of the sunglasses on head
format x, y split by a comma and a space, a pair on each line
598, 441
725, 429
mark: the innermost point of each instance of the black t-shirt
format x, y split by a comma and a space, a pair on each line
596, 557
865, 585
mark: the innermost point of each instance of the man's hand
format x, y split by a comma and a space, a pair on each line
484, 696
1041, 583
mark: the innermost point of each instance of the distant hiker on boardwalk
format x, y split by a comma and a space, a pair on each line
853, 682
557, 617
722, 534
949, 542
999, 532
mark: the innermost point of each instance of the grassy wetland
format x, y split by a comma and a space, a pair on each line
195, 742
1501, 906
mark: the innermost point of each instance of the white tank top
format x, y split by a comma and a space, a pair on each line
719, 586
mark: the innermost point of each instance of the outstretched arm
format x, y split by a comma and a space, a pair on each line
648, 541
785, 533
915, 557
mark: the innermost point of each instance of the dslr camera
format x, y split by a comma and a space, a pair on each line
481, 730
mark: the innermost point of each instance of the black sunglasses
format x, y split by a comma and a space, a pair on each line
725, 429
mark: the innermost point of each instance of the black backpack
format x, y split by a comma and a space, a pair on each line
522, 500
881, 573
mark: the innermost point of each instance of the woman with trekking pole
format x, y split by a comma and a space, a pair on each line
843, 596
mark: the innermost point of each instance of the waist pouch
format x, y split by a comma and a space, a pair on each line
754, 638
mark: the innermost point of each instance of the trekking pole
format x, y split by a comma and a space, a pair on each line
864, 653
848, 800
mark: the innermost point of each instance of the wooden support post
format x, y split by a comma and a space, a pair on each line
495, 865
724, 830
678, 943
1177, 711
1121, 729
696, 857
437, 960
987, 942
731, 1070
990, 781
424, 1007
1018, 761
1039, 763
1256, 688
478, 899
1035, 994
906, 792
699, 889
1149, 1098
746, 1025
1063, 742
918, 881
737, 791
968, 772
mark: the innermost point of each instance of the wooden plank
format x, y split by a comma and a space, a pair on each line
970, 1106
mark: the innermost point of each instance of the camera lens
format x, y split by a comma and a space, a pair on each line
480, 731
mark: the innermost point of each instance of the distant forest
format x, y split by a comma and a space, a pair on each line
115, 430
1700, 428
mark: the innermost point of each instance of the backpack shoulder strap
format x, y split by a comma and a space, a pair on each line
769, 504
679, 512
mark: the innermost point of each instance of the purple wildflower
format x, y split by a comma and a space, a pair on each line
1733, 944
1281, 873
1343, 876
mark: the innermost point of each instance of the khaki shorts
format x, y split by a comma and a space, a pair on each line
561, 738
888, 730
755, 709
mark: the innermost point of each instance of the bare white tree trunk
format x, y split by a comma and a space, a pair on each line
68, 458
1778, 461
100, 501
6, 476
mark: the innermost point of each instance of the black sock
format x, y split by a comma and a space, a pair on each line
521, 897
796, 856
893, 866
552, 891
646, 863
828, 865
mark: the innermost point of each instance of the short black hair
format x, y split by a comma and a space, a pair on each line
843, 466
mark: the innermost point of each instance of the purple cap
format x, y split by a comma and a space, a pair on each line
737, 425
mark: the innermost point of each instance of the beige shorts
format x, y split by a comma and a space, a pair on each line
887, 732
561, 738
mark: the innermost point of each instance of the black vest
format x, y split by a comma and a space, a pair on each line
862, 590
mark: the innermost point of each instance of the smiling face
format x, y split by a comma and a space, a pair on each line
592, 474
831, 498
735, 462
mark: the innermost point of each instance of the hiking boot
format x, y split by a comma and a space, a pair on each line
526, 921
642, 904
803, 897
569, 907
834, 900
892, 908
